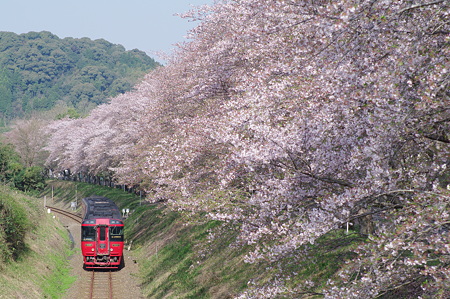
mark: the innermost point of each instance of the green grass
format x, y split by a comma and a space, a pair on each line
319, 262
42, 269
55, 284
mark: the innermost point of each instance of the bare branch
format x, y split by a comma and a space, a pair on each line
420, 5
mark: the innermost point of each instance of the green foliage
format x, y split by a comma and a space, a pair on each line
6, 96
37, 69
9, 163
14, 173
13, 227
70, 113
30, 178
34, 248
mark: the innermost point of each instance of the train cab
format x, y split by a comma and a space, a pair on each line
102, 238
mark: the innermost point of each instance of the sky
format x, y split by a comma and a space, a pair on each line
147, 25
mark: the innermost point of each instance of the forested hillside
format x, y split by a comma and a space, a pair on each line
292, 120
38, 69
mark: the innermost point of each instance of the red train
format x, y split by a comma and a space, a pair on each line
101, 234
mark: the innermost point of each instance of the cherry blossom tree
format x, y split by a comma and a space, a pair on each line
99, 142
29, 140
292, 118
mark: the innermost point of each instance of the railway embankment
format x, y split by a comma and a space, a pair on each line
176, 258
33, 249
182, 257
171, 255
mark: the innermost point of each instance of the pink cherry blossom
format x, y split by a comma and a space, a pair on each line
291, 118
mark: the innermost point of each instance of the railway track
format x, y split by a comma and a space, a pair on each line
96, 284
72, 216
101, 286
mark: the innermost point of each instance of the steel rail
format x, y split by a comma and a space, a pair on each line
101, 285
91, 291
72, 216
110, 285
94, 278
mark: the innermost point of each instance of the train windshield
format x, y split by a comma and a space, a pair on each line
102, 233
88, 233
116, 233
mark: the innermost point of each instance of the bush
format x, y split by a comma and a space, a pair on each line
32, 178
14, 224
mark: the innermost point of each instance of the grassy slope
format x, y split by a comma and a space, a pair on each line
175, 259
41, 270
187, 261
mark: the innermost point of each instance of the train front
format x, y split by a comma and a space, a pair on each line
102, 243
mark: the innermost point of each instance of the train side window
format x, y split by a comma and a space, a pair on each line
116, 233
87, 233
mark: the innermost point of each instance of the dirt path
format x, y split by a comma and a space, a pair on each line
126, 285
